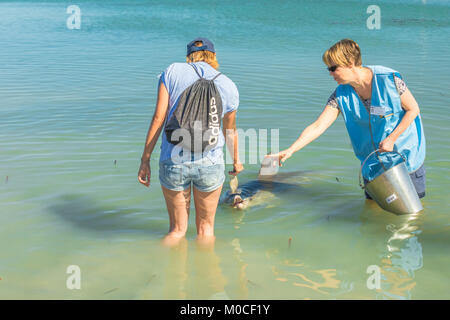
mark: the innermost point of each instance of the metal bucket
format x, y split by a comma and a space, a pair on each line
393, 190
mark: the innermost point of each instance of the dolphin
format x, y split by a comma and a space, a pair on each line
262, 190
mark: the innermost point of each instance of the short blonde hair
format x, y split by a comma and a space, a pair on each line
203, 55
343, 53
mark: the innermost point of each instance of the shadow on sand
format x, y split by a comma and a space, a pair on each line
300, 184
84, 212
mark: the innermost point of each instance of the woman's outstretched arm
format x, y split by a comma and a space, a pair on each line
311, 132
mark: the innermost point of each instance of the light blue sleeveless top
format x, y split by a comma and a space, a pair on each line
368, 129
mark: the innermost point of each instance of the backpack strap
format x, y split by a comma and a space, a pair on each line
196, 71
216, 76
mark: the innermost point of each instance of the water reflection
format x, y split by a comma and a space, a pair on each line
292, 272
402, 258
176, 274
243, 280
193, 272
328, 281
401, 254
389, 241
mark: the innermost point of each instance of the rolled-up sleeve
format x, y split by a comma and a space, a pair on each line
165, 78
233, 101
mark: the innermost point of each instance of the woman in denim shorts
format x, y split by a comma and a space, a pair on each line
178, 168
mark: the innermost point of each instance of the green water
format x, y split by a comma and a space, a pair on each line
75, 108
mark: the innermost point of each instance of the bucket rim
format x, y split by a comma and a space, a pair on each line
378, 150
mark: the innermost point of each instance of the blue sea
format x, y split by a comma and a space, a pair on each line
75, 107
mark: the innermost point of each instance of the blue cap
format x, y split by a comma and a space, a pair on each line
207, 45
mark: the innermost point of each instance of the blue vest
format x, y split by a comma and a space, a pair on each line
367, 130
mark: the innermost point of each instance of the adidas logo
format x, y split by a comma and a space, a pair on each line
213, 123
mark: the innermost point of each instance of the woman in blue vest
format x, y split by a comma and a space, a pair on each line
379, 112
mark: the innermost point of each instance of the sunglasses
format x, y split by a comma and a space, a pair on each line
332, 68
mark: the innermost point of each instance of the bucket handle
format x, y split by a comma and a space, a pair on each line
378, 150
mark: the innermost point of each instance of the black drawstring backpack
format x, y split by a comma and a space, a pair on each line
196, 122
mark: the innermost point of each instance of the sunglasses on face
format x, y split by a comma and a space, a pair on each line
332, 68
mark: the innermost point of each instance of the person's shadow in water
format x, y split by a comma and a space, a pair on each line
85, 212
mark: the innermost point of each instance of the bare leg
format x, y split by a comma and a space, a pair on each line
178, 205
205, 208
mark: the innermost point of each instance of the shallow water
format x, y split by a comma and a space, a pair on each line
75, 109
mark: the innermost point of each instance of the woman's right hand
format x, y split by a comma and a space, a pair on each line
281, 156
144, 173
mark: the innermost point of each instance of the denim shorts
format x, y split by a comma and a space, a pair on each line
418, 178
205, 175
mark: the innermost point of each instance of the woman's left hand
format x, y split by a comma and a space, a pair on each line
387, 145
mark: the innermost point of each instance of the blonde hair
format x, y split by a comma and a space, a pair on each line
343, 53
203, 55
